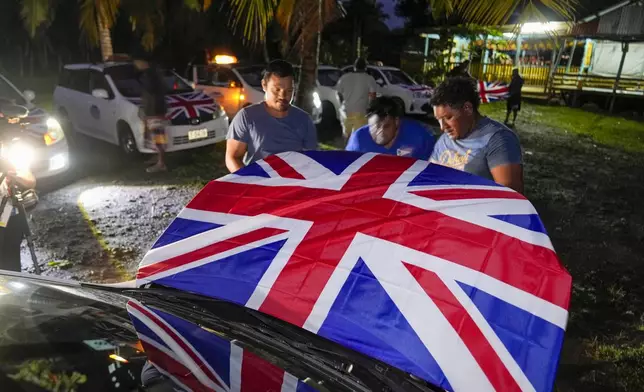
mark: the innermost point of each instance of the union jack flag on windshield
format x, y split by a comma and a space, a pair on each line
493, 91
196, 360
448, 276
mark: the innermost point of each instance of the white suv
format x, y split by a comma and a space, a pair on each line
102, 101
393, 82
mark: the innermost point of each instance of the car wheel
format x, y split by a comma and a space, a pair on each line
127, 142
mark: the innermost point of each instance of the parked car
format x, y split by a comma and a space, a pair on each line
98, 338
48, 150
394, 82
328, 77
236, 86
102, 101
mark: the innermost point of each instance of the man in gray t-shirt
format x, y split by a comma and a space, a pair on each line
355, 91
472, 142
272, 126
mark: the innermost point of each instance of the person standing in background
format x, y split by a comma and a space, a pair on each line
154, 108
514, 100
355, 90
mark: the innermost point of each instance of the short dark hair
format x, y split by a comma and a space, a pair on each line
455, 92
360, 64
384, 106
279, 68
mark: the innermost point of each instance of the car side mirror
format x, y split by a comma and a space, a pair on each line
100, 93
29, 95
380, 82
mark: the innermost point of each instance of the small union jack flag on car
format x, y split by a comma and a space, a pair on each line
493, 91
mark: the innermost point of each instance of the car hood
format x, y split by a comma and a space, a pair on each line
417, 89
36, 121
99, 338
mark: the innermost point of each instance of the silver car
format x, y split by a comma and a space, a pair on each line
44, 147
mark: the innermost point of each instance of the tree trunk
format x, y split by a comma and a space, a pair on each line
106, 40
309, 66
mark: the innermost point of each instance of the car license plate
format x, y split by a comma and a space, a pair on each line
197, 134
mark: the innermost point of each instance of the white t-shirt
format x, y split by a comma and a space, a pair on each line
355, 88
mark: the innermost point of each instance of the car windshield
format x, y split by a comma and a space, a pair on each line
252, 75
8, 93
128, 83
329, 77
396, 76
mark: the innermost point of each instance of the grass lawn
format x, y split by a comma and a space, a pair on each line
585, 175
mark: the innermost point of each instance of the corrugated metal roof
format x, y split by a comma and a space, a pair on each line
628, 20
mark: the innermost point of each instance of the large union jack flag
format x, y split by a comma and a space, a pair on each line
197, 360
448, 276
493, 91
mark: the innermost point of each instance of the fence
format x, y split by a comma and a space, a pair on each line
533, 75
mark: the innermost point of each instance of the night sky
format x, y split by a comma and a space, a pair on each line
389, 8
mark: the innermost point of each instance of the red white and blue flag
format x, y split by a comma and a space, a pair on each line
197, 360
443, 274
186, 106
493, 91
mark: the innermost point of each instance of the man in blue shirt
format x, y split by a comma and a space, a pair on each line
388, 133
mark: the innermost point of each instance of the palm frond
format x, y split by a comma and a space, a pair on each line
498, 12
300, 20
95, 12
254, 17
34, 14
147, 18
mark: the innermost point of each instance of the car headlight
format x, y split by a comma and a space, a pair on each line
19, 155
54, 132
316, 100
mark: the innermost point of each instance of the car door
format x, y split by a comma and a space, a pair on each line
380, 80
102, 111
78, 86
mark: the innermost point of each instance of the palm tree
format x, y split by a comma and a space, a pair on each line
302, 22
97, 17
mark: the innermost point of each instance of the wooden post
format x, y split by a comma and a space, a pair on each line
484, 58
553, 66
572, 53
517, 55
619, 75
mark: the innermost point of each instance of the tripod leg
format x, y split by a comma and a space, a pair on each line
30, 240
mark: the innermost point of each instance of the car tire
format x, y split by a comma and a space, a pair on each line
127, 142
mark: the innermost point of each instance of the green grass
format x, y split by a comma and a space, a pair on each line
608, 130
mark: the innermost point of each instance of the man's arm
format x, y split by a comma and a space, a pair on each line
235, 151
373, 88
510, 175
237, 143
505, 161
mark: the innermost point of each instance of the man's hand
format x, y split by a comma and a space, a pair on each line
510, 175
235, 151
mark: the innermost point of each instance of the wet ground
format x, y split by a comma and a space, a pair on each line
97, 221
